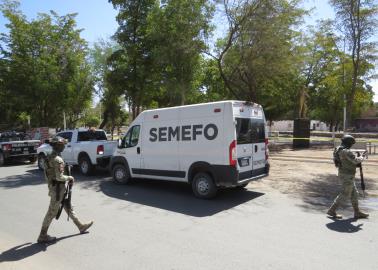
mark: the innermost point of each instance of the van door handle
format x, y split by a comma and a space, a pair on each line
138, 150
255, 148
68, 146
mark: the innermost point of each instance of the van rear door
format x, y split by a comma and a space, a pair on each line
258, 146
244, 147
250, 135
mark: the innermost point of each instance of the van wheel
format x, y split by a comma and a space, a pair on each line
203, 186
2, 159
41, 162
85, 165
120, 174
242, 186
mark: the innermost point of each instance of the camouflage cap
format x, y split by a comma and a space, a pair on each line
57, 140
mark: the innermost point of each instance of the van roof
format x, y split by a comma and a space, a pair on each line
203, 104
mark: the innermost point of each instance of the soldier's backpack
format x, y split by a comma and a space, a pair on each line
336, 157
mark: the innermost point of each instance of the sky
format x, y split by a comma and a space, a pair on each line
97, 17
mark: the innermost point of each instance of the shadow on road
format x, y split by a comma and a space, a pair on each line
319, 193
176, 197
36, 177
344, 226
26, 250
30, 177
15, 163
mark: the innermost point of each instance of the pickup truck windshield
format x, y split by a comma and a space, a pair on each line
84, 136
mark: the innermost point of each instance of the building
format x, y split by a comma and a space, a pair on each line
366, 124
288, 125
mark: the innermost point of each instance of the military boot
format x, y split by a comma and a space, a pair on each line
358, 214
332, 212
84, 227
44, 237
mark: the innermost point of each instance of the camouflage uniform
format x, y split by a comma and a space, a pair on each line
55, 178
347, 171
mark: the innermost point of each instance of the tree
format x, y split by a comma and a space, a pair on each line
110, 96
250, 58
358, 22
46, 71
208, 83
179, 29
131, 65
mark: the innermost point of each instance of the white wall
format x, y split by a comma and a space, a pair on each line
287, 125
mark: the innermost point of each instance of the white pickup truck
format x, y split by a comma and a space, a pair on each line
86, 148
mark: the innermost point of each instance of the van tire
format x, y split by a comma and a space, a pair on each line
120, 174
243, 186
85, 165
203, 186
2, 159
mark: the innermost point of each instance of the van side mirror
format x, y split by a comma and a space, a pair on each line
122, 143
47, 141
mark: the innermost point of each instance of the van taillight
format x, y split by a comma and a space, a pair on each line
100, 150
232, 153
266, 149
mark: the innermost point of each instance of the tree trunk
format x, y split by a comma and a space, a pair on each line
349, 107
105, 120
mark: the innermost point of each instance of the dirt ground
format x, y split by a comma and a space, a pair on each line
310, 175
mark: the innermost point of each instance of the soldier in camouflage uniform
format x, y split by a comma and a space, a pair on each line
347, 162
54, 175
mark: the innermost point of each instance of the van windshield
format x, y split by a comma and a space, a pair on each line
250, 130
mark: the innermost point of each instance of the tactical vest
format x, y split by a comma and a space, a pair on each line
50, 169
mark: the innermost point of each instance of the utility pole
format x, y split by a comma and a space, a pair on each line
342, 59
64, 120
344, 101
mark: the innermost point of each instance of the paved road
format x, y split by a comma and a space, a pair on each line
158, 225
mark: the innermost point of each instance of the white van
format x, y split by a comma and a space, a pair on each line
210, 145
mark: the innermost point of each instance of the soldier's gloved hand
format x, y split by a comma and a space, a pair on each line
71, 181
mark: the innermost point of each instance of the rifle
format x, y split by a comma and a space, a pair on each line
66, 201
363, 153
362, 180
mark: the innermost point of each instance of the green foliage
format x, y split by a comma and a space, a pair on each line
132, 66
357, 20
92, 121
157, 59
45, 68
161, 45
110, 96
179, 29
257, 57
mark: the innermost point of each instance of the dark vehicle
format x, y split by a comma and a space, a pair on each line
16, 146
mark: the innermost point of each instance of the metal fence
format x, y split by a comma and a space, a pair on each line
277, 139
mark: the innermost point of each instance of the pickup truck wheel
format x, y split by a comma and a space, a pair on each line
41, 162
2, 159
120, 174
203, 186
85, 165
